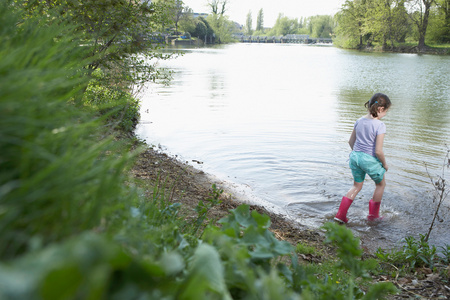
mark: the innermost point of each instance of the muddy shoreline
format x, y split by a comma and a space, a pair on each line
188, 185
191, 185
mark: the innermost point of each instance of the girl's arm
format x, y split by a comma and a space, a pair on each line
352, 139
379, 150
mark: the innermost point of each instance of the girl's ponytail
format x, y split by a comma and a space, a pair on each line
377, 100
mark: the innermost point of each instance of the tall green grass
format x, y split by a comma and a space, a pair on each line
57, 173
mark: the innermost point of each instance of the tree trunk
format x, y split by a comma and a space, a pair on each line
424, 24
446, 9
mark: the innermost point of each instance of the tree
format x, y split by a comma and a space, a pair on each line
219, 23
218, 7
114, 32
202, 29
187, 21
284, 25
385, 20
260, 20
444, 10
350, 20
419, 12
321, 26
222, 27
248, 24
177, 13
164, 15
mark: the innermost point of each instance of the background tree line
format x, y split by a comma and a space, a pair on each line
358, 24
362, 23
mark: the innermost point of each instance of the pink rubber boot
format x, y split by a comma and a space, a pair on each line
341, 215
374, 211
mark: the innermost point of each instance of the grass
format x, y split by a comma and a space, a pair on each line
306, 249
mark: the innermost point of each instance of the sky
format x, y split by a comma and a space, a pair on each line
238, 9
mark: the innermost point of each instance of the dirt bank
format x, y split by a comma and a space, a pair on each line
191, 185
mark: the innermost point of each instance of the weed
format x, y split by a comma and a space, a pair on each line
202, 208
440, 191
446, 254
305, 249
413, 254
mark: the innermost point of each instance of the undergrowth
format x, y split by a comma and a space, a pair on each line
74, 226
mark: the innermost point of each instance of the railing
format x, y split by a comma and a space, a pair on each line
290, 38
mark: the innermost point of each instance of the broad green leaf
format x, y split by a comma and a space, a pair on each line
206, 276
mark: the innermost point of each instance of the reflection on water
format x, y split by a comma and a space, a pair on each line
276, 119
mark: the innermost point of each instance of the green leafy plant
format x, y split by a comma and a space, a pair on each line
89, 266
120, 107
446, 254
202, 207
415, 253
57, 172
305, 249
349, 252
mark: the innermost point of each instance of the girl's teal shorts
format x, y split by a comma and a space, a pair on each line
362, 163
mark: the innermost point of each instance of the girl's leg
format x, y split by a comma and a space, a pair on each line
375, 202
346, 201
379, 190
354, 190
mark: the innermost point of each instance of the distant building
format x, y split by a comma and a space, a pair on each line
196, 15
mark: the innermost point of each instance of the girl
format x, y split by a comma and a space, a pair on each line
367, 156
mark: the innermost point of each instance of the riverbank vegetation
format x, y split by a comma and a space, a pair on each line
75, 223
393, 25
374, 25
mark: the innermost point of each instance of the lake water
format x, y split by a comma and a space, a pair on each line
274, 121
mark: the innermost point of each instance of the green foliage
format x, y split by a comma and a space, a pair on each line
206, 276
331, 280
187, 21
316, 26
348, 253
348, 250
245, 244
413, 254
385, 22
90, 267
118, 35
260, 21
110, 28
349, 25
396, 21
321, 26
283, 26
202, 208
437, 30
119, 106
49, 171
305, 249
251, 230
248, 30
446, 254
62, 179
222, 27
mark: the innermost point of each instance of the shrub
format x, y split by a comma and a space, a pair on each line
120, 107
57, 174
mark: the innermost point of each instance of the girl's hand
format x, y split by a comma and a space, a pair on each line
386, 167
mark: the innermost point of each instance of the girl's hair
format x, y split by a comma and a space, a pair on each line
377, 100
